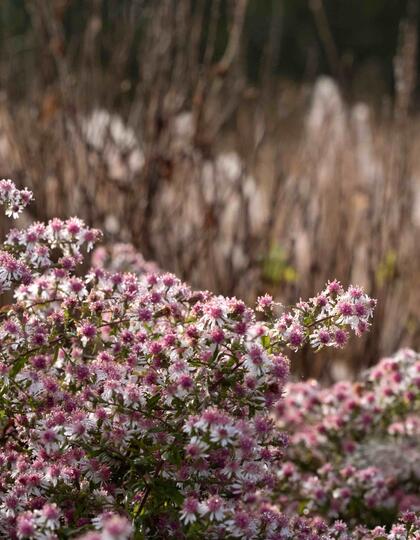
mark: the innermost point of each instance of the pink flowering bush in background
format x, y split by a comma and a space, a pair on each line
134, 407
122, 258
354, 448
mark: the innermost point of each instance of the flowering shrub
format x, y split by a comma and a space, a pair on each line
354, 450
132, 405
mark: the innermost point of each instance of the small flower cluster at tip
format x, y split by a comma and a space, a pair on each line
325, 320
15, 200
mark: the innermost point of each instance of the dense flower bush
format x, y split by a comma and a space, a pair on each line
133, 406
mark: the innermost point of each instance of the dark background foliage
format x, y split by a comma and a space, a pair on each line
347, 39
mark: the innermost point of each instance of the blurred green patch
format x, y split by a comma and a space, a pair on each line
276, 268
387, 268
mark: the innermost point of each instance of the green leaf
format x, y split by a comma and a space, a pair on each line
265, 340
17, 366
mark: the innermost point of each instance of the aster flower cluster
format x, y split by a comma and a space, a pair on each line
131, 405
12, 271
354, 450
15, 200
329, 313
27, 254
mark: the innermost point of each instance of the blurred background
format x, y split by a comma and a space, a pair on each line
246, 145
